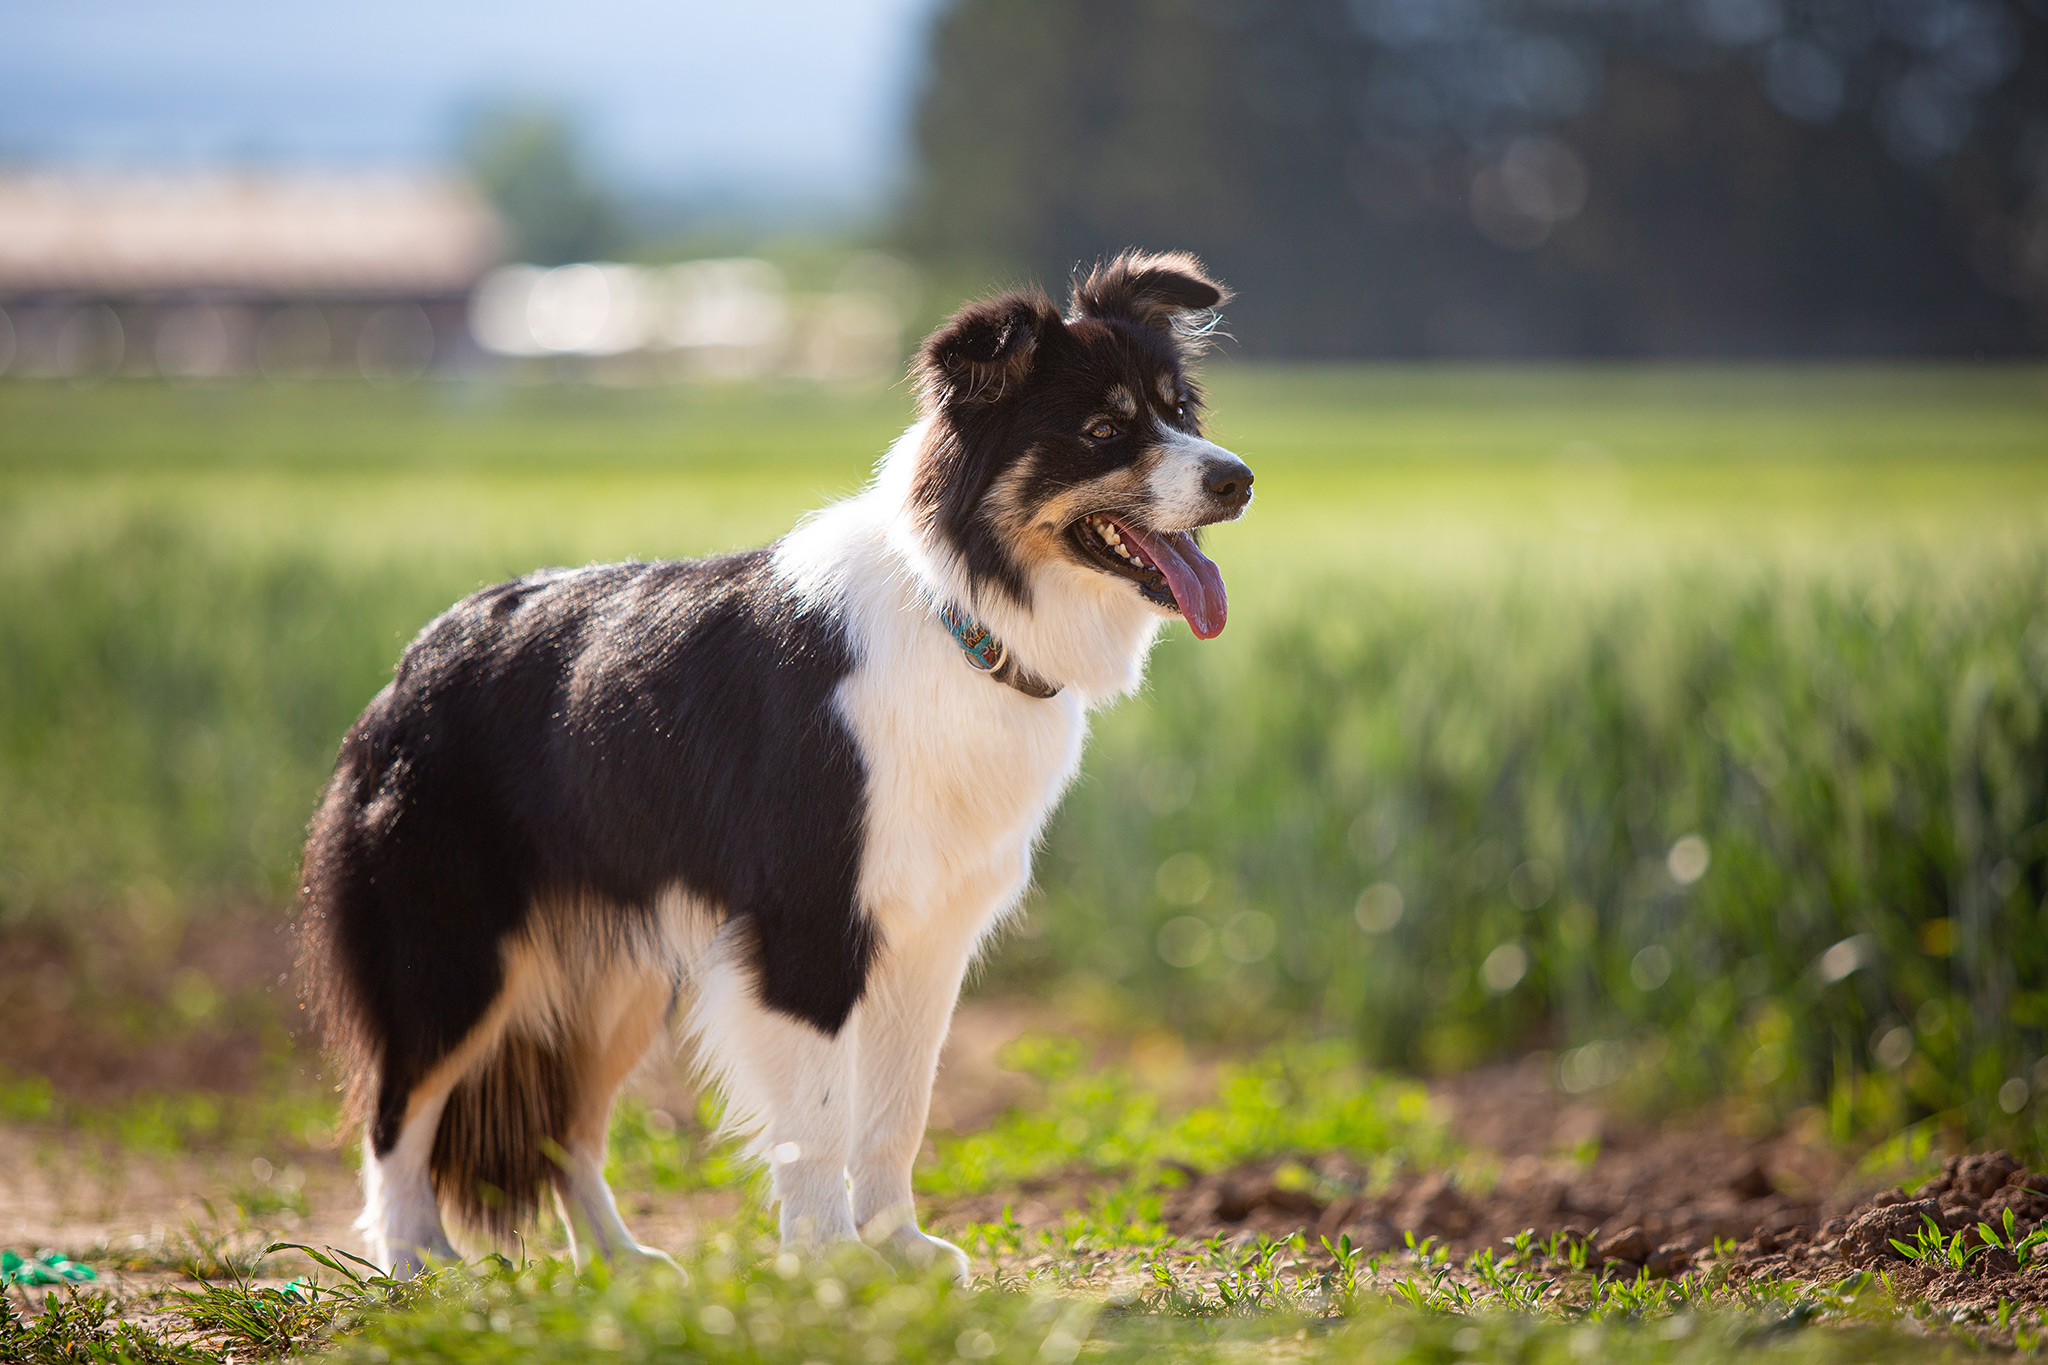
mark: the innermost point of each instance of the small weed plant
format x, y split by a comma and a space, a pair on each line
1959, 1249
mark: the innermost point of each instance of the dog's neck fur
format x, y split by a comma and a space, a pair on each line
1083, 632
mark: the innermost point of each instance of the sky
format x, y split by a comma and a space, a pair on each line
797, 100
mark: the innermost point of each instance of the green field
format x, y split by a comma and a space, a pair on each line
1485, 620
1690, 725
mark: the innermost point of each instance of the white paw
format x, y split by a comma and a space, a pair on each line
907, 1246
847, 1250
635, 1253
406, 1262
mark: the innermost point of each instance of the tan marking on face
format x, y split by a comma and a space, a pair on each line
1169, 392
1123, 402
1036, 531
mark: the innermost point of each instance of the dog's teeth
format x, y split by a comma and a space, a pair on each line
1106, 532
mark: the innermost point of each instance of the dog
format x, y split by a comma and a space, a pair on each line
778, 798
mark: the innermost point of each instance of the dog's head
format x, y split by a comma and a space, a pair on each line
1074, 444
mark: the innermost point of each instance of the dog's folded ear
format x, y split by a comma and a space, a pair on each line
986, 347
1155, 290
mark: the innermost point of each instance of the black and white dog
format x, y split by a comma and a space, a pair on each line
781, 797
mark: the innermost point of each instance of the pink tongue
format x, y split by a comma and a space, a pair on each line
1196, 581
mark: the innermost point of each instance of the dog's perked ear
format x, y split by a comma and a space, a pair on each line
986, 348
1156, 291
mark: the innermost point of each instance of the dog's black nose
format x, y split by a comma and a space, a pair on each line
1230, 480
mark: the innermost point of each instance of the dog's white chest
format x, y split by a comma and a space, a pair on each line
963, 773
962, 770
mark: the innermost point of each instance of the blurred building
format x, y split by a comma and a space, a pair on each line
197, 276
733, 319
390, 277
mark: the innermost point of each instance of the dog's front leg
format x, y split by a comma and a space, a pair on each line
792, 1084
903, 1021
806, 1136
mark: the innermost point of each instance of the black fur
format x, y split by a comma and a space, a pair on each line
605, 732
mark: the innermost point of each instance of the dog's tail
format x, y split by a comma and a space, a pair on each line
496, 1148
331, 992
493, 1157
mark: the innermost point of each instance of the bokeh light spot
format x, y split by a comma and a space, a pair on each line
1688, 860
1183, 879
1379, 907
1504, 968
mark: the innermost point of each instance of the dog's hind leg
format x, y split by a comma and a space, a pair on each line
401, 1213
401, 1203
903, 1022
634, 1015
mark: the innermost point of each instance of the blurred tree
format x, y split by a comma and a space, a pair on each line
1517, 177
532, 165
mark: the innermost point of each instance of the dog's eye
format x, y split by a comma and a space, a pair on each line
1180, 409
1102, 431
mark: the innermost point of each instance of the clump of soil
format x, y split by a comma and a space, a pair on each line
1666, 1204
1970, 1191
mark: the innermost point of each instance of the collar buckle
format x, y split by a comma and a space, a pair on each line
985, 653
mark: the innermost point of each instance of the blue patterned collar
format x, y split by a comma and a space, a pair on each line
986, 654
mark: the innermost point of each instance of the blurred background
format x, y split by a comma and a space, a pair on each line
1640, 654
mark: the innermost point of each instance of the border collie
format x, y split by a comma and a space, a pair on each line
779, 798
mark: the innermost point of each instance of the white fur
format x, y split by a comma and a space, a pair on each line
401, 1217
590, 1213
786, 1084
1177, 490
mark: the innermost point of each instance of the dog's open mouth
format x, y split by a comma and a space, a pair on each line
1167, 566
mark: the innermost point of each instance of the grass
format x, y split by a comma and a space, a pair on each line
1794, 822
1096, 1296
741, 1301
1096, 1118
1101, 1123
